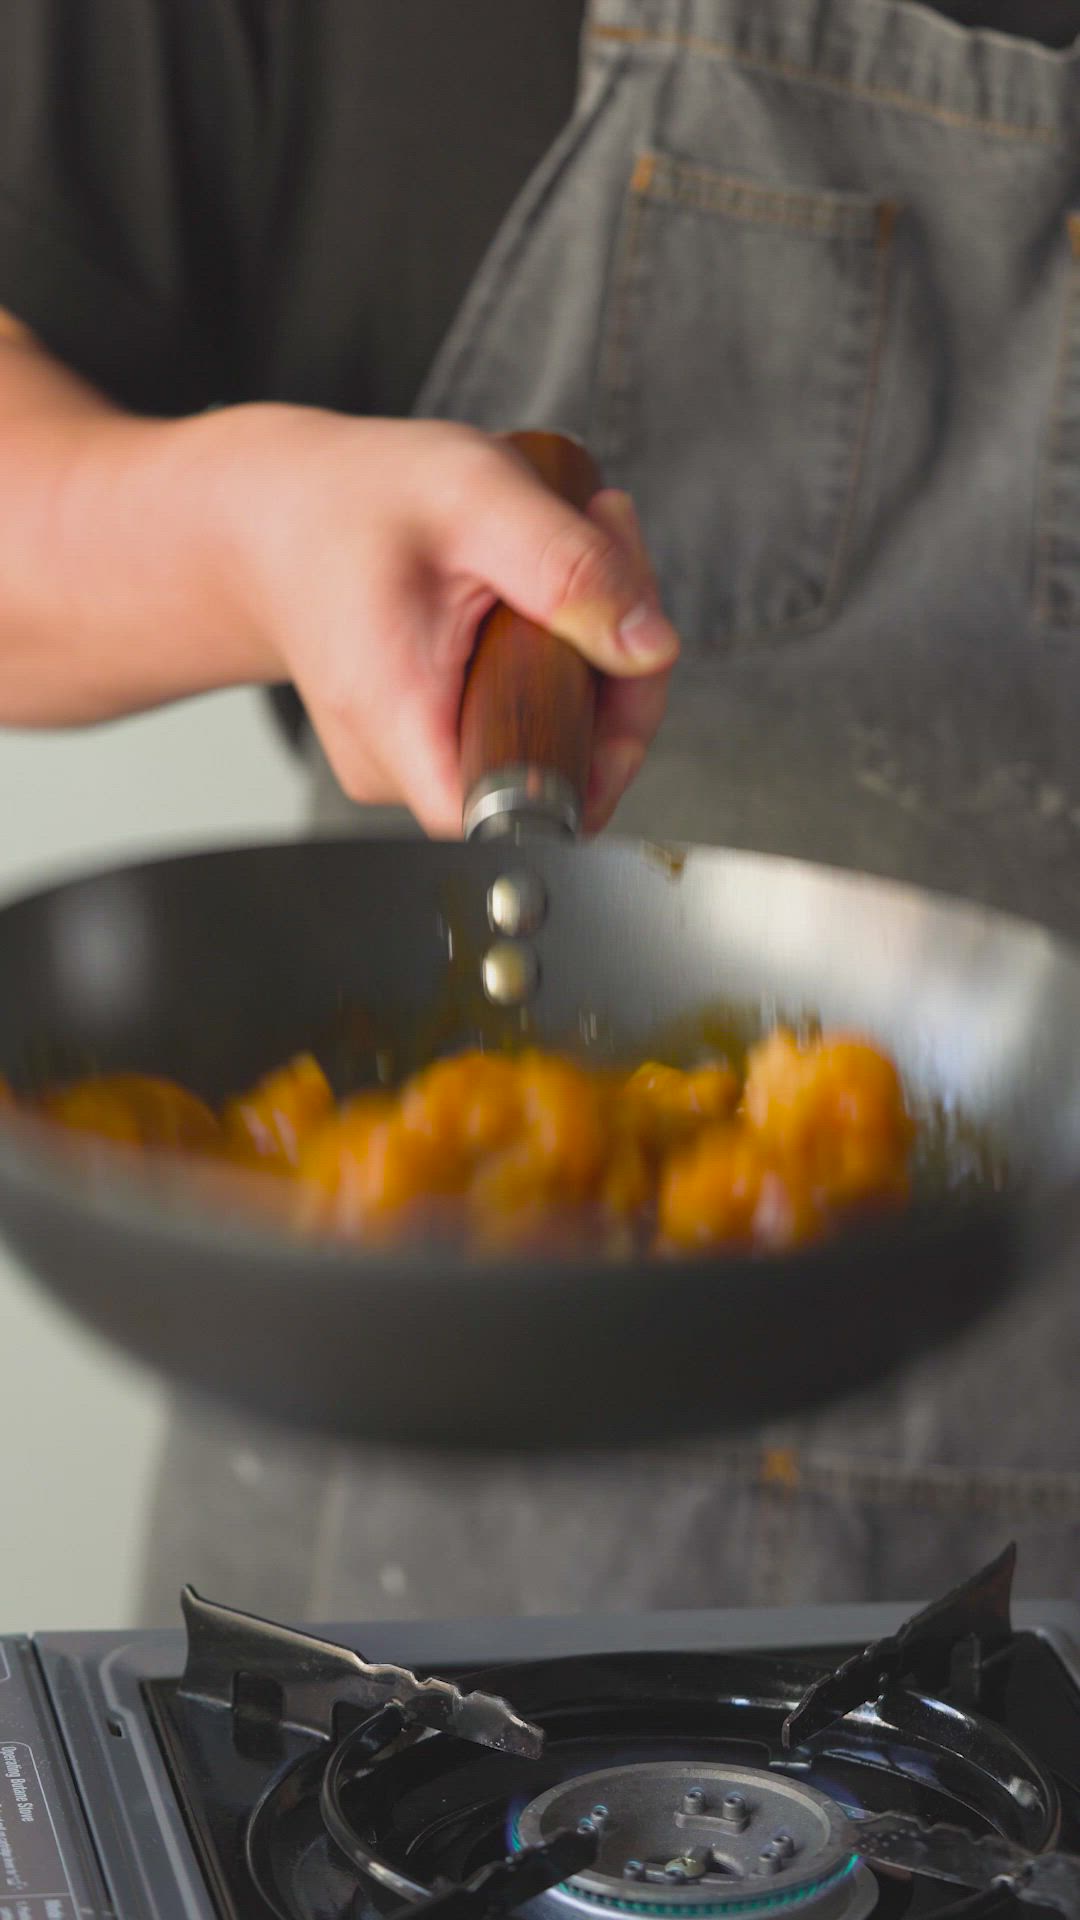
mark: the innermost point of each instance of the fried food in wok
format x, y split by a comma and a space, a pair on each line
536, 1152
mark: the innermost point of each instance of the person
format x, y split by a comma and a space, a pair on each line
804, 275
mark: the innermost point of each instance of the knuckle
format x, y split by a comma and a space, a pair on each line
577, 564
367, 786
464, 467
337, 704
356, 784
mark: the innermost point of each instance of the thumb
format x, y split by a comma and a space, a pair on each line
584, 577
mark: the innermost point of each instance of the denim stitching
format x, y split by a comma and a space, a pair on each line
1047, 562
793, 1475
614, 368
886, 217
680, 183
858, 90
1002, 1492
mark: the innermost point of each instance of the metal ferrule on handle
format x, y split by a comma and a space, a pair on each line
518, 799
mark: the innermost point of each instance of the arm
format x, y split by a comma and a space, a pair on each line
142, 561
113, 593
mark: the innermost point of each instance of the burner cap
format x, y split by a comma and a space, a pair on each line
694, 1841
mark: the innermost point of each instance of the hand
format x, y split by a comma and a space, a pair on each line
369, 551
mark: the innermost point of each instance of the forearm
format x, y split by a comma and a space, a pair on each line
115, 580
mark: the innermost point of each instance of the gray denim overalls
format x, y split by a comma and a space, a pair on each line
806, 276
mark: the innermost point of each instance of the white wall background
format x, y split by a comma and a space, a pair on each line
84, 1426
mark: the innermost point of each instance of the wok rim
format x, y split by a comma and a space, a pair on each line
672, 854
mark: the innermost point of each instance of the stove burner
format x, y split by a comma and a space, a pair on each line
692, 1785
695, 1840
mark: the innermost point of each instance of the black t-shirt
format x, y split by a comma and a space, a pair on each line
211, 200
204, 201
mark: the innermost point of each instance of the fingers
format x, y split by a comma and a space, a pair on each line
392, 735
415, 767
585, 577
432, 527
629, 712
628, 715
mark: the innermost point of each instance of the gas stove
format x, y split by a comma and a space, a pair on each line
827, 1763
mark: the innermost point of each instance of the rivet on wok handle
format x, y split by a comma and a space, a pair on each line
517, 904
510, 973
527, 711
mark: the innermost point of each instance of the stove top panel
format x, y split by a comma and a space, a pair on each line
150, 1793
47, 1865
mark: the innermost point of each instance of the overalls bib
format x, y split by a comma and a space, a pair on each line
805, 274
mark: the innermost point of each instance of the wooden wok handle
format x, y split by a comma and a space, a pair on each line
529, 701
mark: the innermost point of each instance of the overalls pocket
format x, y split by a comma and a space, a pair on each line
735, 391
1057, 531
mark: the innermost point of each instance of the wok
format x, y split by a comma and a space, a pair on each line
214, 966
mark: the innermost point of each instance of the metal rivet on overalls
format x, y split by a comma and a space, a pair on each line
517, 903
510, 973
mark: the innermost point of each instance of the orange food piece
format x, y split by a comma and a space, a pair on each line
272, 1123
550, 1166
328, 1157
404, 1172
471, 1103
628, 1183
835, 1111
367, 1171
668, 1105
135, 1110
565, 1124
722, 1190
531, 1194
510, 1211
524, 1138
